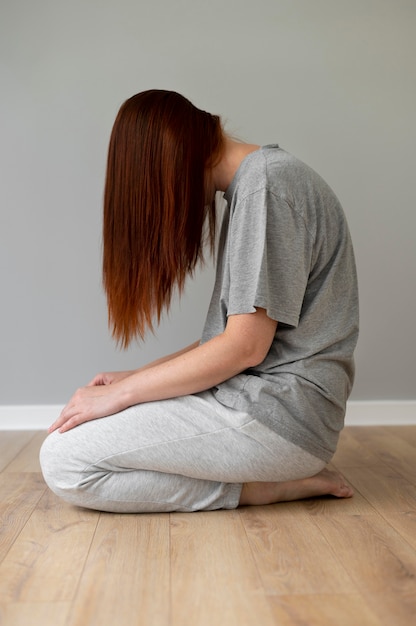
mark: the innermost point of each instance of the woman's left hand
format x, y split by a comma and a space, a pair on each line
89, 403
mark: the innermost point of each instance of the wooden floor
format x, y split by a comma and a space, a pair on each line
316, 562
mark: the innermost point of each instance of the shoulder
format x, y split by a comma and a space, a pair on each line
270, 169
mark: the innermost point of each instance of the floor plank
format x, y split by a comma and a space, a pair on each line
11, 443
213, 566
292, 555
47, 558
33, 613
405, 524
27, 460
323, 610
19, 495
384, 488
379, 562
391, 495
392, 450
351, 452
407, 433
126, 573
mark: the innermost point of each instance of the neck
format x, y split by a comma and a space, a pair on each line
234, 153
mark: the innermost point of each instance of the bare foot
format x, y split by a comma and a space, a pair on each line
323, 484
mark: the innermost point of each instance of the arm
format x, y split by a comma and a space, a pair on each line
109, 378
244, 343
169, 357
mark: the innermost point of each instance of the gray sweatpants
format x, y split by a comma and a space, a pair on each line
185, 454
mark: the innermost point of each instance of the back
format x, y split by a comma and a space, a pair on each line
285, 247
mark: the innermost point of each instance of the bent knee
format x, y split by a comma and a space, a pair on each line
60, 467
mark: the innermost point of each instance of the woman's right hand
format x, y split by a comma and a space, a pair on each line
108, 378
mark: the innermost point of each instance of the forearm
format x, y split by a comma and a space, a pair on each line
200, 368
168, 357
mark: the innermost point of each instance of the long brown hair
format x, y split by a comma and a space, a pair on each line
158, 205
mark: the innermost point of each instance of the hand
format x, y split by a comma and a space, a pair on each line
108, 378
89, 403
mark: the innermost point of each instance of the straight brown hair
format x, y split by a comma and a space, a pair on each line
158, 205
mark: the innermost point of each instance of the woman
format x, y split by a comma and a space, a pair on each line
251, 413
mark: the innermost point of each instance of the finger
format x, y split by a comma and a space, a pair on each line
97, 380
67, 413
63, 424
71, 423
57, 424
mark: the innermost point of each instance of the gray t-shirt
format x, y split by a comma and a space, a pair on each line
285, 247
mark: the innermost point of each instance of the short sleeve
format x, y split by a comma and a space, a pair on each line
269, 252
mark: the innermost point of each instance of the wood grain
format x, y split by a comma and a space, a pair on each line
11, 443
407, 433
213, 567
352, 452
46, 560
381, 564
392, 450
33, 613
27, 460
323, 610
126, 579
384, 488
19, 495
291, 554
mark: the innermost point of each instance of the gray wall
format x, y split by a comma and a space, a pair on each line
331, 81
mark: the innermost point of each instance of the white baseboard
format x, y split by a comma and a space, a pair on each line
381, 413
28, 417
359, 413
